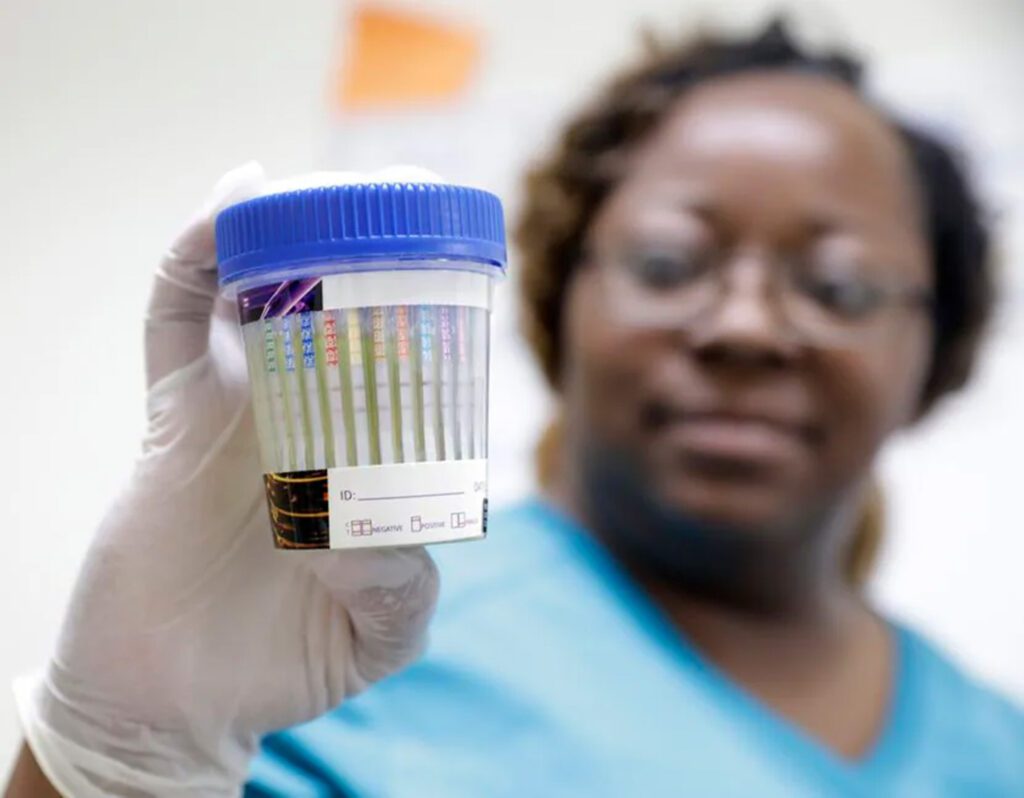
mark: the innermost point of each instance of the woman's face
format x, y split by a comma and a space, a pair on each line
716, 337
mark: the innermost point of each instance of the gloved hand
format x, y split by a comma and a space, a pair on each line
188, 635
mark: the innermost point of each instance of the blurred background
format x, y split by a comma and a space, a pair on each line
116, 116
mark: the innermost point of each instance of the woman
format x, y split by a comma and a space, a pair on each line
740, 278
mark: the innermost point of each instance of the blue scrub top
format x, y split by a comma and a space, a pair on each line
550, 674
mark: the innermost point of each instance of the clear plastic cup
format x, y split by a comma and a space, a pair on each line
365, 312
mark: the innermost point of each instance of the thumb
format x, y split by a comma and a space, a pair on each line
185, 286
389, 596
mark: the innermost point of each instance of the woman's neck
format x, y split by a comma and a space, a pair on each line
792, 574
787, 628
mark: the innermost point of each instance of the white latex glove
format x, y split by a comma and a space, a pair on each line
188, 635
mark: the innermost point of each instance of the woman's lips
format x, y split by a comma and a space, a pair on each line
742, 439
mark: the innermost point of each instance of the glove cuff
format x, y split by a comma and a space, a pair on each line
78, 771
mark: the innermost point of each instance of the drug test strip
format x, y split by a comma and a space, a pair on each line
286, 360
344, 339
466, 352
366, 319
449, 336
302, 342
391, 333
437, 380
321, 359
416, 380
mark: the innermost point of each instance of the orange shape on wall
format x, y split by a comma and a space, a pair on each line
395, 58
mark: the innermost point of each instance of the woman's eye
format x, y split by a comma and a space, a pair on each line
665, 270
850, 298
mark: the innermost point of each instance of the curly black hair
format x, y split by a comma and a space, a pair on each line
564, 190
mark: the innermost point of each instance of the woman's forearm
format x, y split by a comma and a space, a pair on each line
28, 780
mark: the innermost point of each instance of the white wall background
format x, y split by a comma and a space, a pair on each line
116, 116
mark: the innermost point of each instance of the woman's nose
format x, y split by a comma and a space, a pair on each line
746, 325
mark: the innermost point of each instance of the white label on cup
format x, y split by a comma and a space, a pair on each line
407, 503
406, 287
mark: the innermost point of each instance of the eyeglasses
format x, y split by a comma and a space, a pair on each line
827, 304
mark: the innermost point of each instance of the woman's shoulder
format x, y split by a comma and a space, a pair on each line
963, 717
